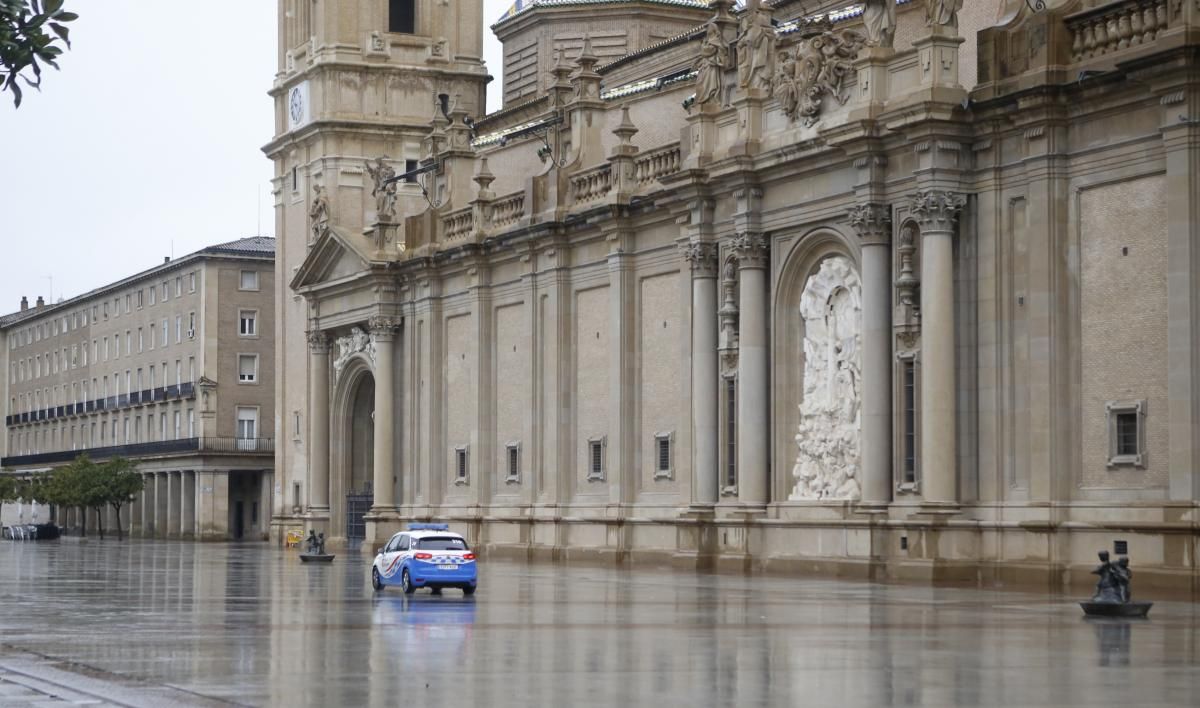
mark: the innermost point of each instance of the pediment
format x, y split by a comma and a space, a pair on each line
336, 254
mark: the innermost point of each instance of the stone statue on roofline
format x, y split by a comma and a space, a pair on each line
942, 13
711, 64
879, 17
756, 48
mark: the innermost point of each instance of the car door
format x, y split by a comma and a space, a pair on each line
390, 563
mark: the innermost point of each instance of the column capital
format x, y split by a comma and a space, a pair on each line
751, 250
383, 328
702, 257
318, 341
936, 210
872, 221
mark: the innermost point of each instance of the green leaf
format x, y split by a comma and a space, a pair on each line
66, 17
53, 6
63, 33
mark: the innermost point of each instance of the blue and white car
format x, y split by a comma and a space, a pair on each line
425, 556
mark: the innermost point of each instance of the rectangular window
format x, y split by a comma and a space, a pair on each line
128, 303
141, 294
191, 423
178, 328
179, 286
128, 342
153, 295
461, 465
663, 468
166, 290
1126, 433
909, 382
166, 332
513, 459
249, 321
296, 418
595, 463
731, 433
191, 282
247, 368
153, 335
410, 166
177, 425
141, 341
402, 16
248, 280
191, 330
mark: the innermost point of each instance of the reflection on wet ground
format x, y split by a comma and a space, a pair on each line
250, 625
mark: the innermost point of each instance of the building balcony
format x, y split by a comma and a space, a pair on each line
183, 391
203, 446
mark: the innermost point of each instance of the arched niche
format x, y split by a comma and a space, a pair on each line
352, 438
802, 264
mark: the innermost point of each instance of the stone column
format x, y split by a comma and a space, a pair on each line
383, 332
161, 507
318, 424
188, 506
174, 504
936, 212
753, 437
702, 256
873, 224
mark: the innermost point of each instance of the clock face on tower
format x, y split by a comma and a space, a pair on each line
296, 106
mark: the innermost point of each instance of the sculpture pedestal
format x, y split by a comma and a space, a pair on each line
316, 557
1116, 609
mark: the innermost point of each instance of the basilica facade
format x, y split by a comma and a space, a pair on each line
875, 289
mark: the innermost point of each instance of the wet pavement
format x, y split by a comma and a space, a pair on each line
157, 623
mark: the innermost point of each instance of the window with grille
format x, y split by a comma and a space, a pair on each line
461, 465
402, 16
731, 433
909, 382
596, 460
513, 462
663, 464
1126, 433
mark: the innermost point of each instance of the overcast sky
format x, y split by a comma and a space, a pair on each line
146, 144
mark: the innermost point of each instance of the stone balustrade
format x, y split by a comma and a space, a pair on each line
508, 210
1118, 25
658, 163
458, 224
592, 184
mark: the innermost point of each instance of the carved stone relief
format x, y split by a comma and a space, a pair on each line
827, 441
815, 67
357, 342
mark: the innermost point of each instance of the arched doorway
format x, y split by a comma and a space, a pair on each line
353, 442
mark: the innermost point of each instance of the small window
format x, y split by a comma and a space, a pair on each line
405, 543
441, 543
1126, 433
191, 282
409, 166
248, 323
179, 286
402, 16
663, 462
461, 465
247, 368
730, 435
153, 296
513, 460
140, 299
249, 280
909, 411
595, 464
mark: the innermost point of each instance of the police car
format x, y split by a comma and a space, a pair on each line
425, 556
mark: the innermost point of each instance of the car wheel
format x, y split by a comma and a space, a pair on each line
376, 581
468, 589
406, 583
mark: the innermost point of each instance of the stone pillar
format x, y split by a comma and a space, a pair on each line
188, 506
135, 514
145, 503
174, 503
873, 224
318, 425
383, 332
753, 436
161, 508
937, 214
702, 256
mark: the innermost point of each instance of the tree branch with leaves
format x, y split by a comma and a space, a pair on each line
30, 32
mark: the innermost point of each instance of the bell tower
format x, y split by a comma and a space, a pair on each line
356, 80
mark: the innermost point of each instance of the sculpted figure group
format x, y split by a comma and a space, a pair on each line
817, 68
1114, 583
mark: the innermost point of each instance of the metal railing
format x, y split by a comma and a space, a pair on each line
126, 400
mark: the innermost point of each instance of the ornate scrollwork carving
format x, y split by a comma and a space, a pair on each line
937, 210
872, 222
816, 68
357, 342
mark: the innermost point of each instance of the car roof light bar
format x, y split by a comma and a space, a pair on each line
429, 527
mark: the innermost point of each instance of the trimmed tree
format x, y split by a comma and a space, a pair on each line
122, 482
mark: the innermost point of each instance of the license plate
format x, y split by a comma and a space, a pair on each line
447, 567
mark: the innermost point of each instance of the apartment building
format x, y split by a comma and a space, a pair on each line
172, 368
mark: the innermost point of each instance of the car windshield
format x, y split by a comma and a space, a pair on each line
441, 543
